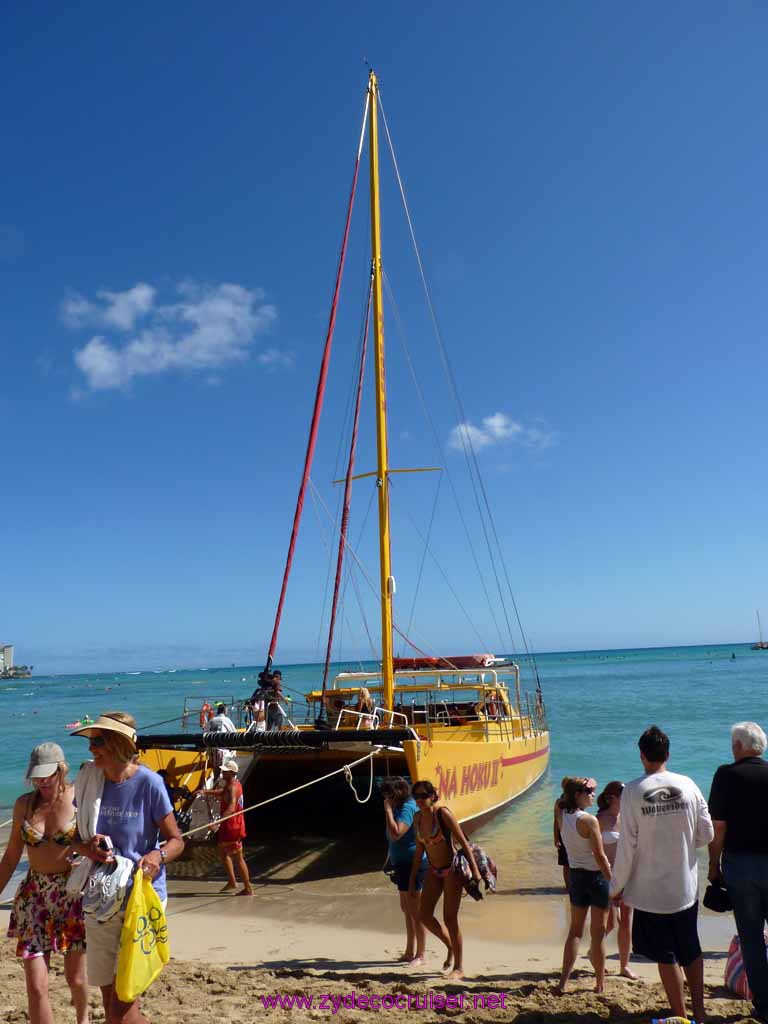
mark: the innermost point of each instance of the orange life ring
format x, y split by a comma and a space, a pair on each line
206, 714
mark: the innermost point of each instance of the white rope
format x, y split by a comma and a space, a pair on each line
305, 785
348, 777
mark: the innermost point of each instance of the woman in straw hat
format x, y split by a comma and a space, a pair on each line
123, 809
45, 918
231, 832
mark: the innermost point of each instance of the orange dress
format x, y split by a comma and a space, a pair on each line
233, 829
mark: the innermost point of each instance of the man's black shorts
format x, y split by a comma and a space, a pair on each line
667, 938
588, 889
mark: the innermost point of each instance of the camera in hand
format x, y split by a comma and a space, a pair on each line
105, 844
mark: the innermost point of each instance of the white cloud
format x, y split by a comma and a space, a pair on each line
210, 327
116, 310
498, 428
274, 359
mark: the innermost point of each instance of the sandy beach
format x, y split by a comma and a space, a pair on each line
336, 939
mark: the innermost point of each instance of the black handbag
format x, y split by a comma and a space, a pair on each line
716, 898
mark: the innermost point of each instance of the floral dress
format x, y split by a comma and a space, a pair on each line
46, 918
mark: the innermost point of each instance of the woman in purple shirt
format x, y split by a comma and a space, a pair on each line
133, 812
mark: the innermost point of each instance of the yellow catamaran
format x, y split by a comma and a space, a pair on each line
461, 722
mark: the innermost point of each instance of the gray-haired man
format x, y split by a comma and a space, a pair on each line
738, 804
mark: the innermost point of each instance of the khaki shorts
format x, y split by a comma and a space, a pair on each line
103, 948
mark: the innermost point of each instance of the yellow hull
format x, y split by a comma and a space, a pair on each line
476, 772
478, 777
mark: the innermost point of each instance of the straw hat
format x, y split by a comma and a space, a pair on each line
104, 724
230, 766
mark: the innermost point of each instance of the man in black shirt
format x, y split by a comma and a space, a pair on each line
738, 804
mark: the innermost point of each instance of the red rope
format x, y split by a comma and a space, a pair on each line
347, 492
319, 395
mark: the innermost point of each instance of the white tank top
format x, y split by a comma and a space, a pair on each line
578, 848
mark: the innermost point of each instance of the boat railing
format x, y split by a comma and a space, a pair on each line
393, 718
360, 719
193, 707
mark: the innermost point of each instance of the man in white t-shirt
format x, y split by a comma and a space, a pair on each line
664, 818
220, 722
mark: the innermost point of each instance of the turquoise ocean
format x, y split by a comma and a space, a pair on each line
598, 703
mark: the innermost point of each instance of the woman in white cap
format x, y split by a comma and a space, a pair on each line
45, 918
231, 832
123, 809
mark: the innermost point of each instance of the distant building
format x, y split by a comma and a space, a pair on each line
6, 657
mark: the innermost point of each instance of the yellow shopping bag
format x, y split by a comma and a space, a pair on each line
143, 941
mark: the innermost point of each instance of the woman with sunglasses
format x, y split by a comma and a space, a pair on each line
608, 807
45, 919
123, 809
590, 874
437, 834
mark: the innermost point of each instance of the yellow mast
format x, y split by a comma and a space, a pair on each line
387, 581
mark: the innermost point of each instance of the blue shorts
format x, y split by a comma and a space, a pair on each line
667, 938
402, 875
588, 889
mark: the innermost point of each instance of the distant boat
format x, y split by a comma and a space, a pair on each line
761, 644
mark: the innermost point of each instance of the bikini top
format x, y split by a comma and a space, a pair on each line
32, 836
435, 837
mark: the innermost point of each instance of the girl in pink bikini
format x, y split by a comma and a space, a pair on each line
437, 834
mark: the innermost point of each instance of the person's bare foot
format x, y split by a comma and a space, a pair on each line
559, 990
229, 888
448, 962
246, 891
416, 961
625, 972
405, 958
455, 975
598, 988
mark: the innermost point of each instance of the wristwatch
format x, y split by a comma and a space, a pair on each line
163, 855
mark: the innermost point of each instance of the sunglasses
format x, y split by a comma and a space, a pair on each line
421, 796
589, 789
96, 741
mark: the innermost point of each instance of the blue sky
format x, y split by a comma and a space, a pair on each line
588, 187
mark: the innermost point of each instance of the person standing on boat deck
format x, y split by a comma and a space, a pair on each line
738, 803
590, 874
45, 918
399, 811
365, 706
664, 818
276, 715
220, 722
437, 831
609, 820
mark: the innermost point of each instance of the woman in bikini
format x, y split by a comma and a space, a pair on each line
46, 919
437, 834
